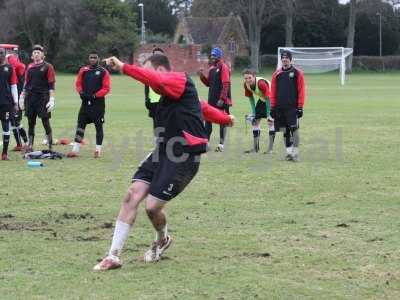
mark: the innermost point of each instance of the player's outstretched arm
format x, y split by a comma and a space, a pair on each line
214, 115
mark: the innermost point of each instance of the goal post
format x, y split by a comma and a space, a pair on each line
319, 59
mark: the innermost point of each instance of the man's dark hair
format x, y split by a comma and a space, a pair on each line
157, 49
38, 47
157, 60
94, 52
249, 72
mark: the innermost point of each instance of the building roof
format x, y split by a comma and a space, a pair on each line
202, 30
205, 30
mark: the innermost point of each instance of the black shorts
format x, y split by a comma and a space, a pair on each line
91, 114
261, 110
35, 106
286, 118
5, 112
167, 179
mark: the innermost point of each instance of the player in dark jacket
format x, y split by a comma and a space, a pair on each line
37, 97
219, 92
8, 99
92, 85
169, 168
16, 118
287, 101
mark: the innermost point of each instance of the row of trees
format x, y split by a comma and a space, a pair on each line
311, 23
69, 29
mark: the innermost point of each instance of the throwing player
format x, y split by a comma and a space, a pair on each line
219, 92
37, 97
256, 87
287, 101
92, 84
169, 168
8, 99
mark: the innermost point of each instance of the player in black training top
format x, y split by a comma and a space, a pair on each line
37, 97
8, 99
170, 167
92, 84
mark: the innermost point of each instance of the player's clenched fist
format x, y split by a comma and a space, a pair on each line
114, 63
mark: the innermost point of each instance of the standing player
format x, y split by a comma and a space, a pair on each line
219, 93
92, 84
151, 97
287, 101
38, 95
256, 87
173, 163
16, 118
8, 99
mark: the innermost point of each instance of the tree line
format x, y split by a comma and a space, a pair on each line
69, 29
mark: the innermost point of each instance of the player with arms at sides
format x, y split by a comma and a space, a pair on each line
16, 118
258, 88
170, 167
287, 101
37, 97
92, 85
8, 99
219, 92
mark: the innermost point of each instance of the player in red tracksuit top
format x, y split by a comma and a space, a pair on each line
219, 93
16, 118
169, 168
287, 101
92, 84
8, 99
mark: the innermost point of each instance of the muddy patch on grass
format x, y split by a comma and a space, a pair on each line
257, 254
27, 226
7, 216
73, 216
87, 238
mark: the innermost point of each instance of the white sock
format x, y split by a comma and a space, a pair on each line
98, 148
295, 151
121, 233
289, 150
76, 147
162, 233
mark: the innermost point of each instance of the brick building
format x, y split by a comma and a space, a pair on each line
194, 37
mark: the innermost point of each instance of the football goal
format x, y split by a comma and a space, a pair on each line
319, 60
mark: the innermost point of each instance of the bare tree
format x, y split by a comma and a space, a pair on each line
289, 6
351, 28
258, 13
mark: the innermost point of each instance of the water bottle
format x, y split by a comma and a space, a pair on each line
35, 164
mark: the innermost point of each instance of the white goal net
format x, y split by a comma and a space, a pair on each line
319, 60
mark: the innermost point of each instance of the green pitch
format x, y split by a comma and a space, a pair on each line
247, 227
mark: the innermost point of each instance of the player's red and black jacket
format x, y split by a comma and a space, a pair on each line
7, 79
19, 70
219, 83
179, 117
40, 78
93, 81
287, 88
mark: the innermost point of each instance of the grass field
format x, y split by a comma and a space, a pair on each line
247, 227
